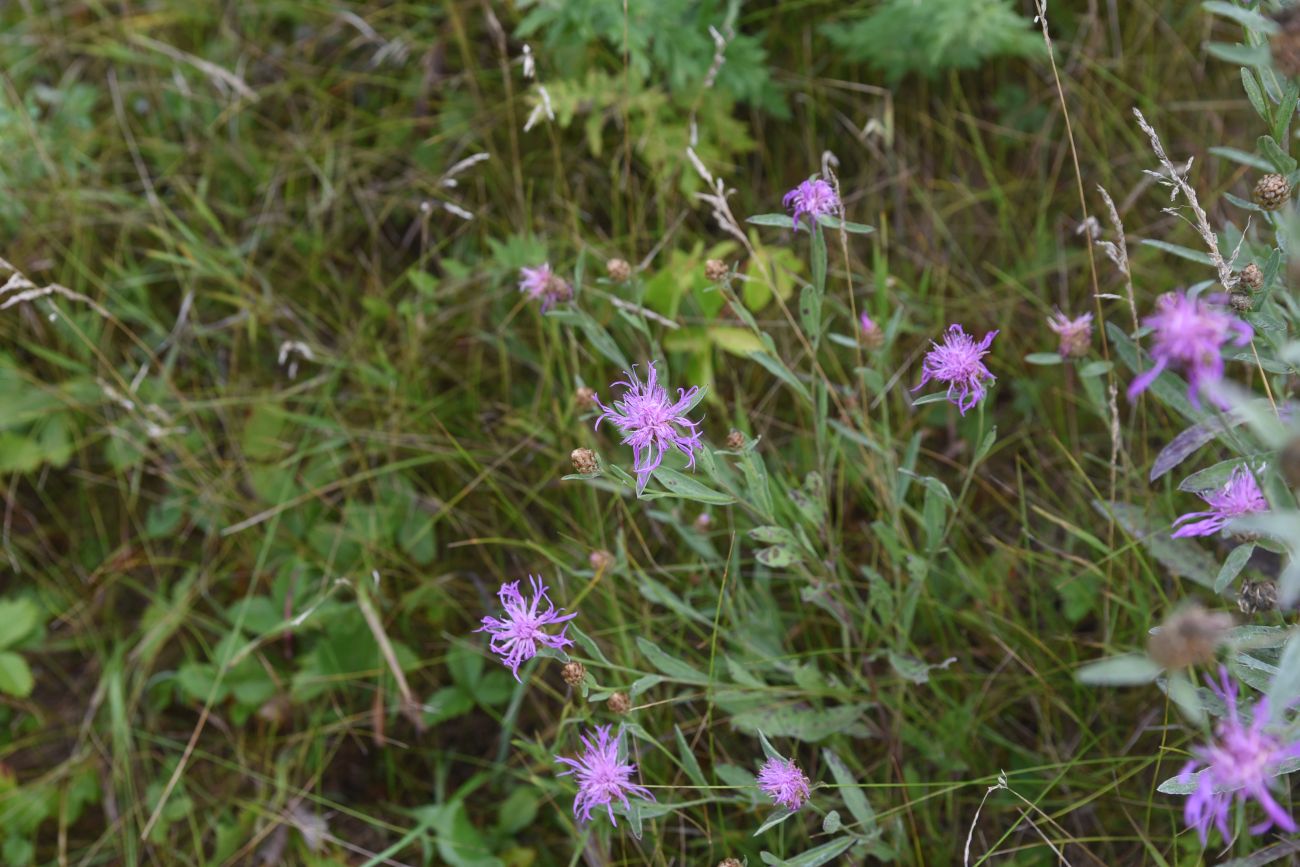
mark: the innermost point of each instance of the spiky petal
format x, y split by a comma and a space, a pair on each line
602, 777
1240, 495
783, 782
651, 422
1189, 334
957, 362
814, 198
516, 636
1238, 766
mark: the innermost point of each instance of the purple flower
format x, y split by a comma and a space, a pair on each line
515, 638
813, 197
1238, 766
872, 336
602, 776
1075, 334
650, 422
783, 782
1189, 334
543, 284
956, 361
1239, 496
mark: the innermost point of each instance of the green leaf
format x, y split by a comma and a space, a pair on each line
1179, 251
1252, 21
1045, 359
1284, 691
782, 220
823, 854
1273, 152
15, 676
1240, 55
1255, 94
1182, 557
781, 814
689, 762
1244, 158
1233, 565
772, 536
670, 665
1127, 670
778, 369
737, 341
850, 227
803, 723
18, 617
778, 557
680, 485
855, 800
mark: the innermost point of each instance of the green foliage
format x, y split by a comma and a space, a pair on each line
900, 37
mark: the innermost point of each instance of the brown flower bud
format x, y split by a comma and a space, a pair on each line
716, 270
600, 560
1272, 192
584, 461
1257, 597
735, 440
585, 397
1240, 302
730, 862
1190, 636
1252, 277
573, 673
619, 703
618, 270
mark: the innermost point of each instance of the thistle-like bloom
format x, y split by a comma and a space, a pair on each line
783, 782
956, 361
602, 777
543, 284
1189, 334
650, 422
1238, 766
515, 638
813, 197
1239, 496
1075, 334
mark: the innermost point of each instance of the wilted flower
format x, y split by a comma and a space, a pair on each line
1075, 334
650, 422
1190, 636
783, 782
956, 361
1239, 496
1237, 767
516, 637
1189, 333
872, 336
602, 777
813, 197
543, 284
584, 461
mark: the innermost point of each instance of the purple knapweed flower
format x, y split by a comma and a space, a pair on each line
1237, 767
650, 422
956, 361
602, 777
516, 637
543, 284
1239, 496
1075, 334
1189, 333
813, 197
783, 782
872, 336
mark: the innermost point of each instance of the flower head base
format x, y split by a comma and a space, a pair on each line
957, 362
1189, 334
813, 197
872, 336
515, 638
1237, 766
543, 284
650, 422
1075, 334
783, 782
1239, 496
602, 776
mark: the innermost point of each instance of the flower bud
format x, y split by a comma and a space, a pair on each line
1240, 302
1190, 636
573, 673
584, 461
585, 397
735, 440
618, 270
1257, 597
619, 703
1272, 192
1252, 277
600, 560
716, 270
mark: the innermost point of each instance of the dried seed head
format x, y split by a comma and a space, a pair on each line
573, 673
1272, 192
618, 270
600, 560
730, 862
585, 397
1252, 277
1240, 301
716, 270
619, 703
1257, 597
1289, 462
735, 440
584, 461
1189, 636
1285, 44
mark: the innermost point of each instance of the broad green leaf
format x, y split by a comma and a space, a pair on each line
689, 762
1252, 21
778, 369
15, 677
681, 485
1233, 565
782, 220
670, 665
1127, 670
1284, 691
1044, 359
855, 800
803, 723
18, 617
